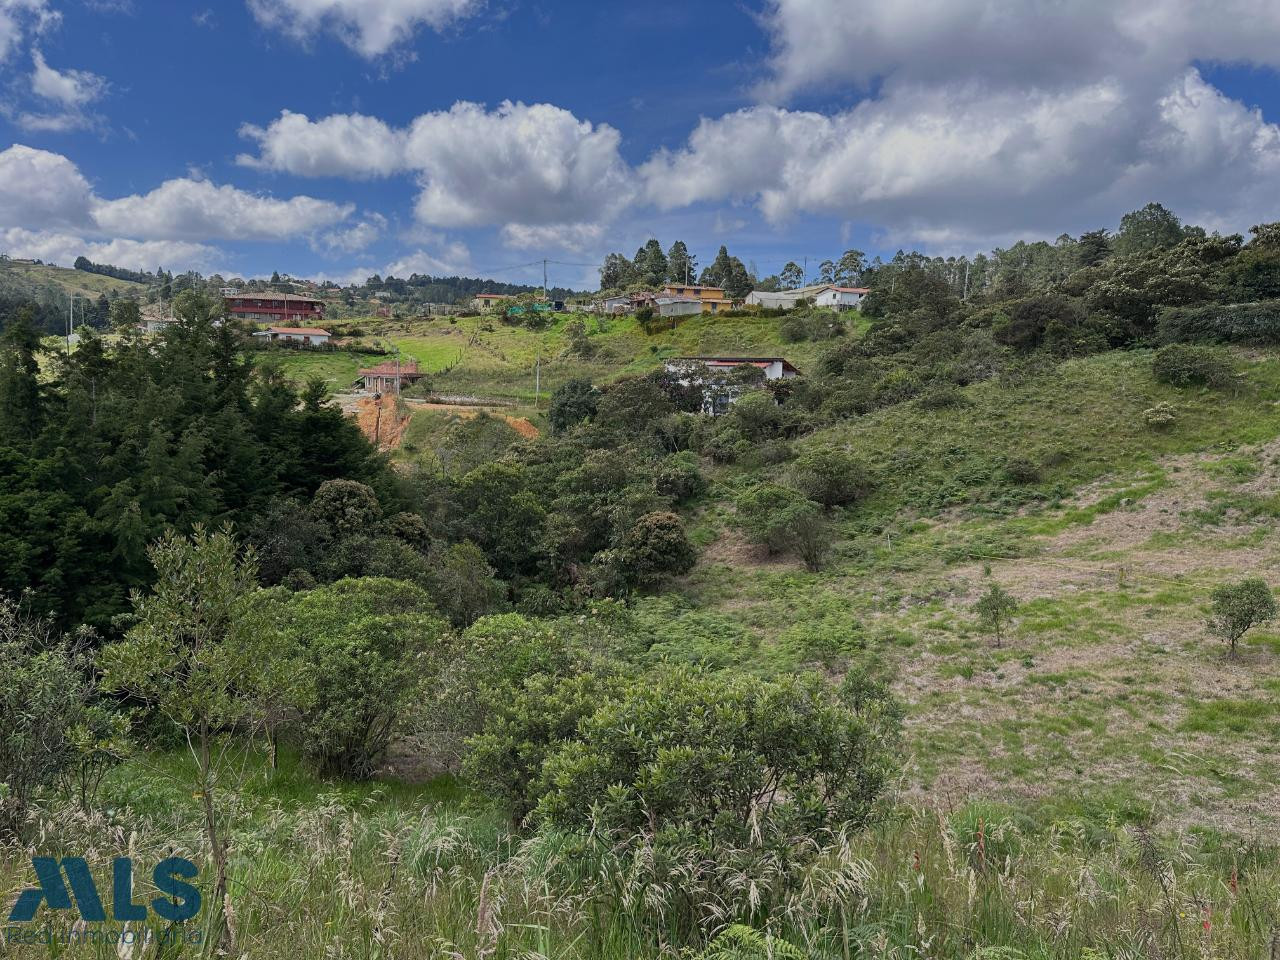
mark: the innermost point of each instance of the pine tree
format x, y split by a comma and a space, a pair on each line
20, 400
682, 267
651, 264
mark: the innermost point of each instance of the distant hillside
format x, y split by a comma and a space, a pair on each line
22, 277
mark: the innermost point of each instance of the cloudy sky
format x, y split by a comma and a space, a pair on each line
336, 138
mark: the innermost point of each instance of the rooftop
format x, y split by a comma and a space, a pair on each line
274, 295
389, 368
737, 362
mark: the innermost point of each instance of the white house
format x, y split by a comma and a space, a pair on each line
307, 336
615, 304
676, 306
822, 294
712, 374
841, 298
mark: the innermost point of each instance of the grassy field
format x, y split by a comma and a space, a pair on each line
30, 277
481, 356
1111, 693
389, 870
1111, 533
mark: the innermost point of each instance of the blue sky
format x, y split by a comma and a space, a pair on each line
340, 137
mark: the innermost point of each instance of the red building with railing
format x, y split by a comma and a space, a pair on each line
271, 307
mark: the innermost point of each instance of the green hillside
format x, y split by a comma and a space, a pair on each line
963, 644
32, 280
485, 357
1112, 541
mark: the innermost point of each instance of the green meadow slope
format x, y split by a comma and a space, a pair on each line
484, 357
21, 279
1109, 532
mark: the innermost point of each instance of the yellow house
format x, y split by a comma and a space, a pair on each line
487, 302
713, 299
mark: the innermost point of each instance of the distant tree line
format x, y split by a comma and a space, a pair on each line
86, 265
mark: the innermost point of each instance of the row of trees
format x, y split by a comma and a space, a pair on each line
651, 268
1022, 268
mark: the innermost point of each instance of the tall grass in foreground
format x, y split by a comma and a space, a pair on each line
342, 878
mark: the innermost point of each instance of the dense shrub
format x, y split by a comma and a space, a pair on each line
462, 583
632, 406
895, 387
800, 325
727, 759
830, 476
368, 647
656, 548
758, 416
942, 396
1184, 365
1021, 470
571, 403
1252, 323
783, 520
540, 715
44, 696
345, 506
1048, 320
492, 660
678, 477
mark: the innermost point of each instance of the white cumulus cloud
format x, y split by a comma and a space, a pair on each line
42, 189
518, 166
21, 19
186, 209
930, 161
69, 88
1010, 43
48, 209
370, 27
64, 97
532, 165
64, 248
342, 145
353, 239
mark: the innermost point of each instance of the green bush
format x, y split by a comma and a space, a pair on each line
462, 583
1250, 323
1184, 365
1021, 470
492, 660
571, 403
345, 506
728, 759
895, 387
656, 548
783, 520
678, 477
45, 697
369, 647
1239, 607
831, 476
543, 712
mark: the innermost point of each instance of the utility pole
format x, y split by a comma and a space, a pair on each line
545, 296
71, 320
537, 381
